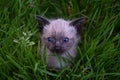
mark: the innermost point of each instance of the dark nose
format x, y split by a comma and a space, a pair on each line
57, 47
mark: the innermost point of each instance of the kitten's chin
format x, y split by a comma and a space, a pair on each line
58, 52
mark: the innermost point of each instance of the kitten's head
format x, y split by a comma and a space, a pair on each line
60, 35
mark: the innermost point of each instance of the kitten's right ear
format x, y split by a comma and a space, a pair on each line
42, 22
79, 24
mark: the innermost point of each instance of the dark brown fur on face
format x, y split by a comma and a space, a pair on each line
58, 46
60, 37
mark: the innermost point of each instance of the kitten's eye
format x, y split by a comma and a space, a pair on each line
51, 39
66, 39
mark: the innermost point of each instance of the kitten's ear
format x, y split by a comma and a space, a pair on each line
78, 24
42, 22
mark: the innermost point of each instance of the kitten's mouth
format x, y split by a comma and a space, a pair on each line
59, 52
57, 49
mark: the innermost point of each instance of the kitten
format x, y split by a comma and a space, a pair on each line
60, 38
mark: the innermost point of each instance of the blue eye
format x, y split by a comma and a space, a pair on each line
51, 39
66, 39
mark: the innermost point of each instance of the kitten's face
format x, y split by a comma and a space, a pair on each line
58, 44
60, 35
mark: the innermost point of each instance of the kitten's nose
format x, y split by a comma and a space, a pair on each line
57, 47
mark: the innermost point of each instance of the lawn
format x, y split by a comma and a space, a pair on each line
98, 55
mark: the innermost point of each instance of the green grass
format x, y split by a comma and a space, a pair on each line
98, 52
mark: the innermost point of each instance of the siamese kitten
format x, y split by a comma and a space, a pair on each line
59, 40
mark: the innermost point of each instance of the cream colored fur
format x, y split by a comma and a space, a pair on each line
59, 26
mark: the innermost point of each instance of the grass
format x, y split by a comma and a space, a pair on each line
98, 52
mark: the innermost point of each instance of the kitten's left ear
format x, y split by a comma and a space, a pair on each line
42, 22
78, 24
